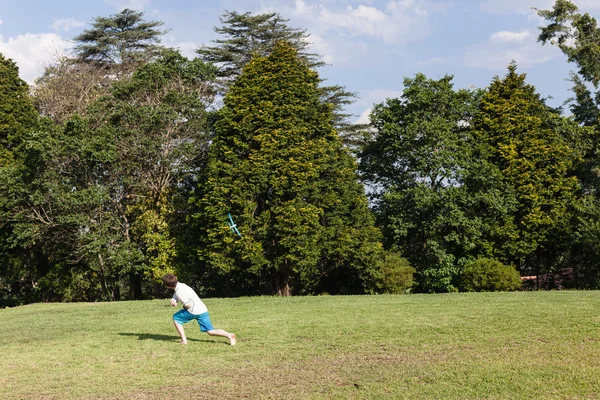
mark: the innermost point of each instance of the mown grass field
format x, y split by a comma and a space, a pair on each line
524, 345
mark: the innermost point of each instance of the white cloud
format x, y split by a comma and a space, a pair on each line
504, 47
505, 36
32, 52
398, 23
354, 32
67, 24
1, 22
132, 4
364, 117
322, 47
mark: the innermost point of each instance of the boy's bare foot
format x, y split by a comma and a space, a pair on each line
183, 342
232, 339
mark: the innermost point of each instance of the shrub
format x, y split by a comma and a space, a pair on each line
440, 277
396, 274
489, 275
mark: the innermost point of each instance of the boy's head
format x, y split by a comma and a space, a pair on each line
170, 280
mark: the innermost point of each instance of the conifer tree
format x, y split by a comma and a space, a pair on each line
527, 178
246, 35
278, 166
122, 38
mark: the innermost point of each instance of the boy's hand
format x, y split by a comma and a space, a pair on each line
173, 302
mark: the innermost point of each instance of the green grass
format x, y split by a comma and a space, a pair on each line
525, 345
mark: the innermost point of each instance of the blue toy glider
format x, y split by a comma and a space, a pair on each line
232, 226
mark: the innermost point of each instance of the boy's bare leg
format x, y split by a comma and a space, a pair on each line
221, 332
181, 332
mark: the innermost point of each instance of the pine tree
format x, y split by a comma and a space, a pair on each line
278, 166
123, 38
527, 181
247, 35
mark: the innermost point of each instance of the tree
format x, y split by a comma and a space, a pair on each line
104, 54
577, 35
17, 113
528, 163
278, 166
17, 119
68, 87
123, 38
415, 161
248, 35
99, 189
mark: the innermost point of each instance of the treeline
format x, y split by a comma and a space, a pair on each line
126, 160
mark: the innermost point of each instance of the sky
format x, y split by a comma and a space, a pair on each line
369, 46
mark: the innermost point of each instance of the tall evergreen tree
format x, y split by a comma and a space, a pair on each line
122, 38
278, 166
248, 35
527, 164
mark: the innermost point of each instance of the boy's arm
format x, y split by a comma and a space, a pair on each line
187, 302
174, 300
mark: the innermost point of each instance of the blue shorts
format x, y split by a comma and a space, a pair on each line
182, 316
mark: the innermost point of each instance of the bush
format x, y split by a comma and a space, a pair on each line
396, 274
441, 277
488, 275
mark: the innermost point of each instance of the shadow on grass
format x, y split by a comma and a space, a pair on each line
168, 338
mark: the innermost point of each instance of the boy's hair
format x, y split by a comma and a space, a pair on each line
170, 280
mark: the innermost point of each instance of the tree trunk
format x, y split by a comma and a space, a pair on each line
284, 289
102, 277
281, 283
135, 286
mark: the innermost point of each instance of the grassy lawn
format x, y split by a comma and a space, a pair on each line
525, 345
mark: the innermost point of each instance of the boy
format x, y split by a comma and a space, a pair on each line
194, 308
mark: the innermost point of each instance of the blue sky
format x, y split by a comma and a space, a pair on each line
370, 45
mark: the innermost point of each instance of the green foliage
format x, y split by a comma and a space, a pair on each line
246, 36
524, 169
122, 38
396, 274
16, 109
277, 165
17, 118
96, 195
416, 159
577, 35
489, 275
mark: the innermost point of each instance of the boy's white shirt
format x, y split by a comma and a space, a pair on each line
186, 295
